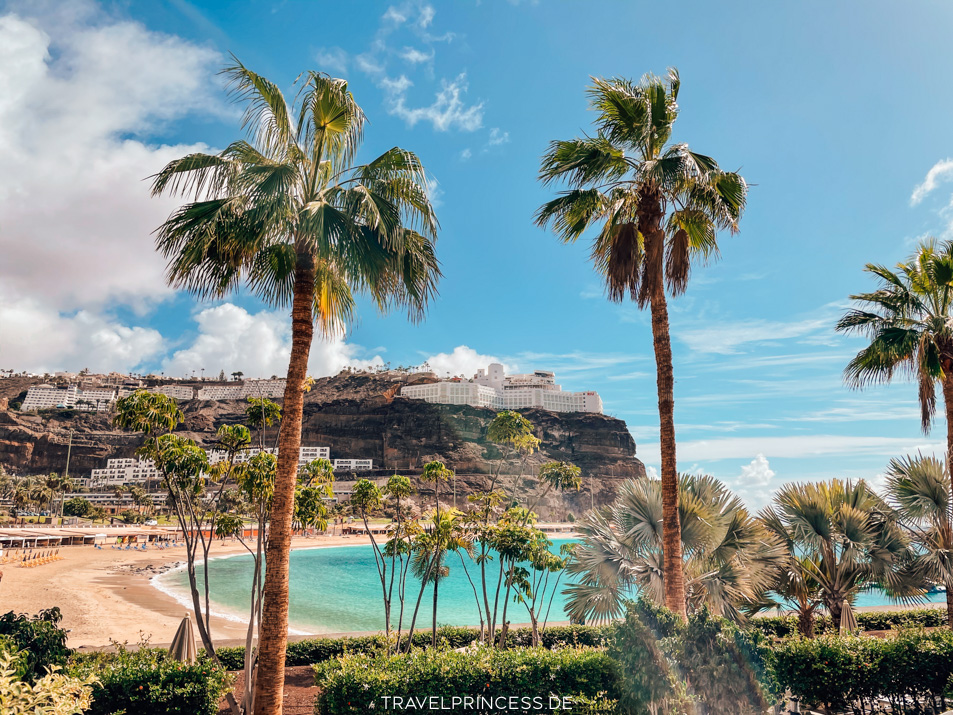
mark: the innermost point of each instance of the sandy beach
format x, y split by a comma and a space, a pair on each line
105, 595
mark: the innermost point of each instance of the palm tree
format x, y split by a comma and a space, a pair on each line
288, 212
658, 207
909, 321
919, 489
847, 539
730, 558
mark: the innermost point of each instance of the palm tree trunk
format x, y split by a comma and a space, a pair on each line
671, 526
269, 685
433, 633
948, 403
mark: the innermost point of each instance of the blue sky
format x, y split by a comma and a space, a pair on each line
835, 113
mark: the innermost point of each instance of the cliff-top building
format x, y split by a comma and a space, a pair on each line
494, 389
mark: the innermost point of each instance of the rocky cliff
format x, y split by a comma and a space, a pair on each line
358, 415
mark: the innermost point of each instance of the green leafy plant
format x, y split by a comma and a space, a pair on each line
39, 639
53, 694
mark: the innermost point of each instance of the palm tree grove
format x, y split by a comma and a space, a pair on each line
304, 410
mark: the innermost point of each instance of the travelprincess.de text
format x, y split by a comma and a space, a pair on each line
478, 703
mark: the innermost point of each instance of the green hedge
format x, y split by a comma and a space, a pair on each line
147, 681
783, 626
319, 650
833, 671
362, 683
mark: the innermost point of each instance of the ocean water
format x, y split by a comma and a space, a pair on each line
337, 589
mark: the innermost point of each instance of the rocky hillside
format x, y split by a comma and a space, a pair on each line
357, 416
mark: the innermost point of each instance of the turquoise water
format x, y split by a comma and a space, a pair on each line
337, 589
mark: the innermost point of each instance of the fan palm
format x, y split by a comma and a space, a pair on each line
847, 539
658, 207
919, 489
909, 320
291, 214
730, 560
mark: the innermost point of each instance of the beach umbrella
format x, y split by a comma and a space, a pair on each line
848, 624
183, 645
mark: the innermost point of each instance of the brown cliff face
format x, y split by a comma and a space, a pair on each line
362, 416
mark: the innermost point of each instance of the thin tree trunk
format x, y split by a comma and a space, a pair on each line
433, 633
269, 685
948, 403
671, 526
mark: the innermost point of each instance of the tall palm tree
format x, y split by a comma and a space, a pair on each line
847, 539
730, 558
658, 207
291, 214
909, 321
919, 489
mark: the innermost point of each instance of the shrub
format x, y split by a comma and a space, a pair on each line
148, 681
646, 677
834, 671
40, 640
131, 517
53, 694
360, 684
722, 666
783, 626
77, 506
319, 650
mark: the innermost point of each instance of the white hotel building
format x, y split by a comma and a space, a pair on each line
130, 470
45, 397
496, 390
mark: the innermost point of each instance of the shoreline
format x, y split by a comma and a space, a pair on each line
108, 596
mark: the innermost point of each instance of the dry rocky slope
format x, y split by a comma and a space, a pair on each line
362, 416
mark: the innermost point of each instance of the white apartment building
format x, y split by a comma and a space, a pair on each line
353, 465
179, 392
130, 470
305, 454
44, 397
249, 388
494, 389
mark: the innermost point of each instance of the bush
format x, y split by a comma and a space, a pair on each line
53, 694
131, 517
39, 639
319, 650
783, 626
834, 671
360, 684
722, 666
646, 677
148, 681
77, 506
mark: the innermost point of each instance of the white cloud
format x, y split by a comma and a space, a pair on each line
651, 472
415, 56
38, 339
434, 192
940, 172
259, 344
426, 16
75, 89
394, 16
465, 154
447, 111
497, 137
331, 60
463, 360
725, 337
756, 474
792, 446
